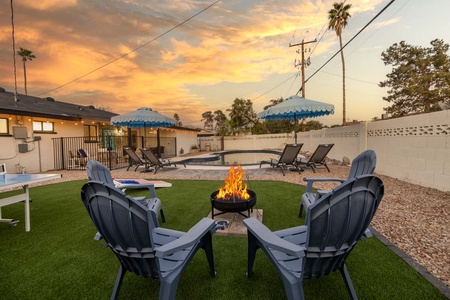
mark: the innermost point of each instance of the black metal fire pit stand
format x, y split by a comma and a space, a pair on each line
233, 206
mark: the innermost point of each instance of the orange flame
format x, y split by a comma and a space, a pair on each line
233, 185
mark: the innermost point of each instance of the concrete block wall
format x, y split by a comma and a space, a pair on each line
415, 149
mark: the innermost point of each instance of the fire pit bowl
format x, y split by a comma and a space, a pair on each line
233, 205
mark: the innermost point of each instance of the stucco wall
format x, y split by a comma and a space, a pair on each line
40, 156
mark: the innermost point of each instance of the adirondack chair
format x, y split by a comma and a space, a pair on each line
334, 225
130, 230
317, 159
98, 172
156, 162
364, 163
134, 159
287, 158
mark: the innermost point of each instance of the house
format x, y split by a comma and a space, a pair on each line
30, 127
40, 134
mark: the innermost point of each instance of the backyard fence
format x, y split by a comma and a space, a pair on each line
414, 149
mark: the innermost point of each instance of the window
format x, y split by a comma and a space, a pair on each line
90, 133
4, 126
40, 126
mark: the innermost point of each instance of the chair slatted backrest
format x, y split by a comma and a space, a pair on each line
149, 155
364, 163
337, 221
290, 153
98, 172
125, 225
320, 153
132, 154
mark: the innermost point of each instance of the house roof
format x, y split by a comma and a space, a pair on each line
48, 107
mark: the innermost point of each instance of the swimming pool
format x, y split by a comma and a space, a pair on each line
235, 157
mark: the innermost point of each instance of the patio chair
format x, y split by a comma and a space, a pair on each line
130, 230
133, 159
317, 158
287, 158
363, 164
334, 225
99, 172
156, 162
74, 161
84, 157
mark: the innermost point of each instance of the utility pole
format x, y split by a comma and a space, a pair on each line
303, 63
303, 43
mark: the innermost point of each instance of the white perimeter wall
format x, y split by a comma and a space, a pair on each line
415, 149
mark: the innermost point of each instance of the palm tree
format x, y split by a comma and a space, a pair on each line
337, 17
26, 55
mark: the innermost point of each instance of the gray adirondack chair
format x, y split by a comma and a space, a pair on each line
130, 230
97, 171
287, 158
364, 163
317, 159
334, 225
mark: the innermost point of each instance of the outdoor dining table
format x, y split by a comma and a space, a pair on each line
11, 181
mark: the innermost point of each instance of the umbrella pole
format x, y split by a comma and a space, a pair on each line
158, 143
295, 126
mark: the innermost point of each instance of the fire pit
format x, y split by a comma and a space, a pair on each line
234, 196
233, 205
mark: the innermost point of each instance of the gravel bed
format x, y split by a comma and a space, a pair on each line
412, 217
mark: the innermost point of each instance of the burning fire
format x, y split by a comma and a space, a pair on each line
233, 185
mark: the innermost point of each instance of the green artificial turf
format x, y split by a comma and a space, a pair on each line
59, 259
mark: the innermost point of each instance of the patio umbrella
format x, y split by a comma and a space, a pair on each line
142, 118
296, 107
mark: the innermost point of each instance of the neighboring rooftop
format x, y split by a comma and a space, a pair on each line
49, 108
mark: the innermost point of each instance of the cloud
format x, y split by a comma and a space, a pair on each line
234, 41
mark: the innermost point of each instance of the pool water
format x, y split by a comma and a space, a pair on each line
241, 157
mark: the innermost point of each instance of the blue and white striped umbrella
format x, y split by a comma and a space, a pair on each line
143, 117
296, 107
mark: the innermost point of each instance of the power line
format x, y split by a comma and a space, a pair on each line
361, 30
135, 49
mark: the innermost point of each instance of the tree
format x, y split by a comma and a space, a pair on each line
313, 125
208, 118
420, 77
177, 118
26, 55
242, 116
337, 17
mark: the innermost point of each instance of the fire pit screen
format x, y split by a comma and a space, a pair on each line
234, 197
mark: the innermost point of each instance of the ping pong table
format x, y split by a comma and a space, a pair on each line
11, 181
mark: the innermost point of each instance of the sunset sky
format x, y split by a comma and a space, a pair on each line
122, 55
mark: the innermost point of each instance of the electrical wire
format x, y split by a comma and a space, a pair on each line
135, 49
14, 52
361, 30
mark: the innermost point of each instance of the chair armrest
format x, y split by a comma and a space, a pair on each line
149, 186
311, 181
270, 239
188, 239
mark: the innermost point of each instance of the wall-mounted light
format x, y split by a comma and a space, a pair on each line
29, 119
62, 122
76, 123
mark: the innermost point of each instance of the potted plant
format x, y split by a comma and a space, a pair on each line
194, 149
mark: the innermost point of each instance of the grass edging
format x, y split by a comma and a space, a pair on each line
436, 282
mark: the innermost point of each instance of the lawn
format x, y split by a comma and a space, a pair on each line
59, 259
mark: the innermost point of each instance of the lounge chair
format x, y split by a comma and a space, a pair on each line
156, 162
96, 171
334, 225
363, 164
134, 159
130, 230
317, 158
287, 158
